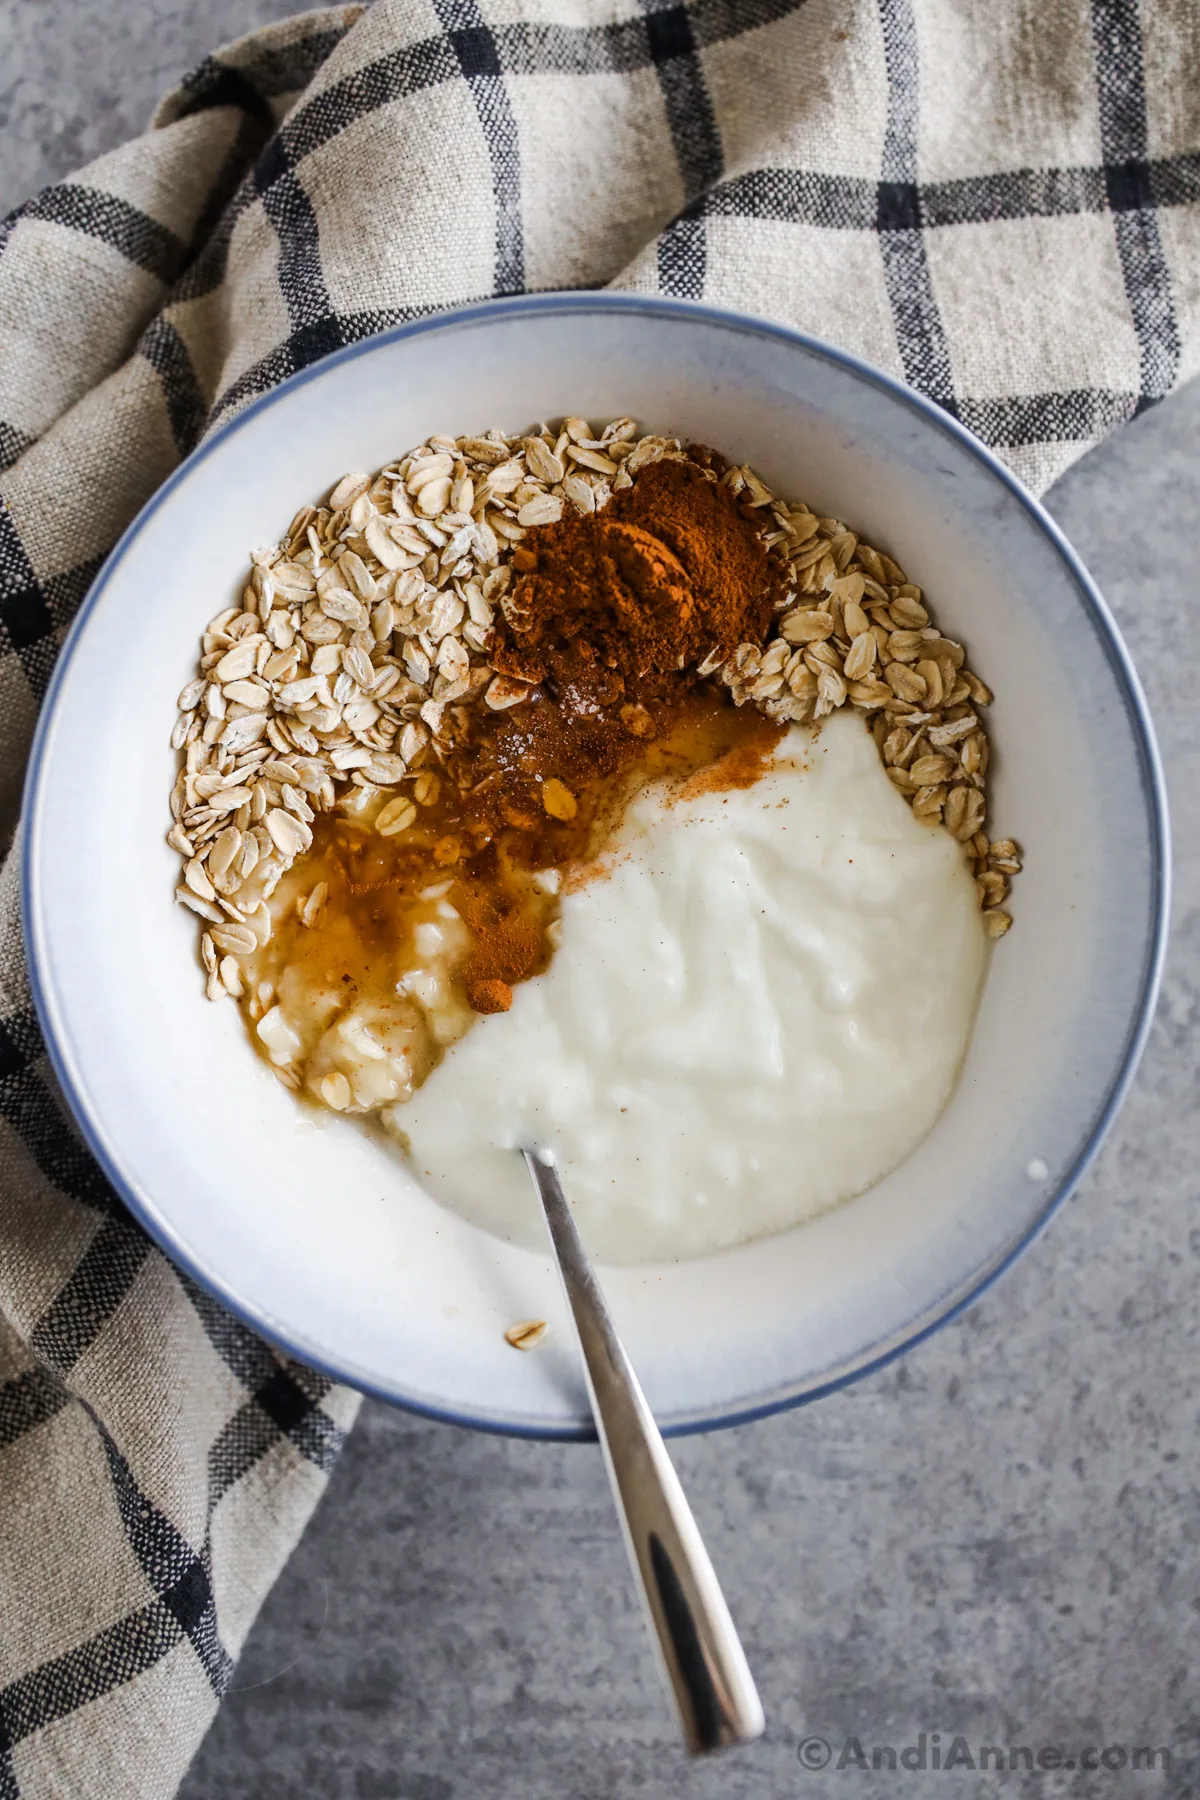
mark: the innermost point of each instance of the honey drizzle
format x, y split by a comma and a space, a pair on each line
482, 854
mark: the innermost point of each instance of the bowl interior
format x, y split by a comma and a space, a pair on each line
314, 1233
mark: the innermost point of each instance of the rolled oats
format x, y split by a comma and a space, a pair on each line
527, 1335
360, 634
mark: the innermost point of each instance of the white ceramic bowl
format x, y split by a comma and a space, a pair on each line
314, 1235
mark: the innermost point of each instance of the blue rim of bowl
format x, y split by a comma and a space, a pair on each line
941, 1310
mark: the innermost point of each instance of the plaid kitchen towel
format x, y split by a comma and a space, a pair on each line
999, 203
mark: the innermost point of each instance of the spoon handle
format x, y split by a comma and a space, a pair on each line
705, 1665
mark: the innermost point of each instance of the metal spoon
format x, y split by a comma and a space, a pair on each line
703, 1661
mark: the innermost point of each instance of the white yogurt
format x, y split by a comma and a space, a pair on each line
759, 1011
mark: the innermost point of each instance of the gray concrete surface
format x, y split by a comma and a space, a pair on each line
78, 77
997, 1537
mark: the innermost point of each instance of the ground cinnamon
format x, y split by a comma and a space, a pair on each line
613, 607
609, 617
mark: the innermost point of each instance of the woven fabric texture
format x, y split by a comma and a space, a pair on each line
998, 203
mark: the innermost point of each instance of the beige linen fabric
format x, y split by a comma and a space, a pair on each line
999, 204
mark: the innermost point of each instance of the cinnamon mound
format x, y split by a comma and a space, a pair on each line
619, 607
